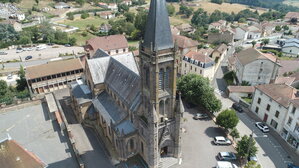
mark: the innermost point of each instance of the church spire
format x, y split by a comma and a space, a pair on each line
157, 32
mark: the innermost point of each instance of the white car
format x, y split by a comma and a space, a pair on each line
225, 164
220, 140
262, 126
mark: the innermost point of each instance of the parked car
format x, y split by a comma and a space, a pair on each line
225, 164
199, 116
19, 50
9, 76
226, 156
28, 57
3, 53
67, 45
291, 165
237, 107
252, 158
220, 140
262, 126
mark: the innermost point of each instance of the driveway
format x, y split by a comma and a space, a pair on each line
197, 146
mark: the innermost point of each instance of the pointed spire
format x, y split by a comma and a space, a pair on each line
157, 32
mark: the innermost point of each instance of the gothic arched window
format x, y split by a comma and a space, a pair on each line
147, 76
161, 79
161, 107
167, 107
167, 78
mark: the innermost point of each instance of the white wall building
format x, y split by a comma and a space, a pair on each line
277, 105
241, 33
255, 67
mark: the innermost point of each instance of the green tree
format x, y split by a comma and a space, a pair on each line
72, 41
277, 28
171, 10
242, 20
197, 90
217, 1
21, 82
285, 27
70, 16
253, 43
3, 87
25, 40
239, 48
252, 164
245, 83
265, 42
140, 22
80, 2
84, 15
37, 2
122, 8
227, 119
246, 147
234, 133
200, 18
93, 28
8, 33
130, 16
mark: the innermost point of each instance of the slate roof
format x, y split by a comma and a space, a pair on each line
280, 93
52, 68
100, 53
251, 54
107, 107
184, 42
157, 30
81, 92
15, 156
125, 127
290, 45
98, 67
107, 43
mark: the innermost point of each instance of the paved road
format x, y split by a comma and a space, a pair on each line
197, 147
47, 53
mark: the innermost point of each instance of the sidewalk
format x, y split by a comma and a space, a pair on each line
290, 151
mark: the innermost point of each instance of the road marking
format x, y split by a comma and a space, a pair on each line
8, 129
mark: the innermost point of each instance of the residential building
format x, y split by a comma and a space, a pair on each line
185, 27
291, 47
219, 53
111, 6
225, 36
16, 25
238, 92
254, 31
107, 15
138, 112
112, 44
217, 25
127, 2
287, 67
256, 67
241, 33
174, 30
61, 5
276, 105
53, 75
13, 155
184, 45
198, 63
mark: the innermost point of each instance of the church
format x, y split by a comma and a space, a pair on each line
136, 106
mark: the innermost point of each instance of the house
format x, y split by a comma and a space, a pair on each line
276, 105
184, 45
16, 25
237, 92
219, 53
105, 28
291, 15
251, 21
185, 27
107, 15
137, 109
18, 15
112, 44
291, 47
256, 67
224, 35
13, 155
111, 6
53, 75
254, 32
241, 33
127, 2
61, 5
268, 28
198, 63
217, 25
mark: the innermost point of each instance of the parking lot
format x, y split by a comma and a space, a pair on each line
48, 52
197, 147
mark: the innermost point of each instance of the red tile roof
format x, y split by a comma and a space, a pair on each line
241, 89
184, 42
107, 43
199, 57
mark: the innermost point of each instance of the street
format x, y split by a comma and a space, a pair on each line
270, 153
198, 148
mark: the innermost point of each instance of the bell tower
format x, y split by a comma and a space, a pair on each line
158, 84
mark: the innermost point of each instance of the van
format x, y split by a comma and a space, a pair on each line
41, 47
225, 164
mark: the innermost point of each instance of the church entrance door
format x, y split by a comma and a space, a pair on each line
164, 151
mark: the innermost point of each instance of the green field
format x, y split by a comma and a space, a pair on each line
292, 2
82, 23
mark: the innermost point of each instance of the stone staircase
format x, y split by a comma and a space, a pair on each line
166, 162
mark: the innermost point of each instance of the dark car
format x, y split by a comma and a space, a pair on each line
290, 165
237, 107
28, 57
67, 45
199, 116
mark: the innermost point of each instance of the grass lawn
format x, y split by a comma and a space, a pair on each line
177, 20
133, 43
82, 23
247, 100
80, 39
